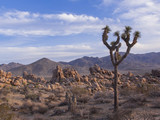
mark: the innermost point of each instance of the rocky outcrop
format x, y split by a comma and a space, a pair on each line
72, 74
57, 75
60, 75
100, 73
32, 77
6, 77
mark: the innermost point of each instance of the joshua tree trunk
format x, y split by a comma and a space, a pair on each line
116, 58
116, 102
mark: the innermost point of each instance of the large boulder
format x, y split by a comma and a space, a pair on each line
57, 75
63, 75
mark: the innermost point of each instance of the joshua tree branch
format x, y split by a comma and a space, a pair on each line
112, 57
106, 43
124, 56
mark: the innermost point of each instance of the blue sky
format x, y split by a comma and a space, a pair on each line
63, 30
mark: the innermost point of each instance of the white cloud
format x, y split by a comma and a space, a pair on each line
58, 52
142, 15
25, 23
107, 2
77, 18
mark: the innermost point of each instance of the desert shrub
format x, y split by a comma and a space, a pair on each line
94, 110
31, 107
63, 103
83, 99
32, 96
142, 88
40, 108
81, 114
5, 90
135, 101
26, 107
127, 91
100, 95
154, 94
40, 117
146, 88
52, 98
156, 105
102, 101
130, 115
6, 112
79, 91
58, 111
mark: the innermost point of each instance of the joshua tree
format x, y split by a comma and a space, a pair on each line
116, 58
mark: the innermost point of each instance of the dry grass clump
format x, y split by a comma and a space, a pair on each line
128, 91
146, 88
102, 101
100, 95
58, 112
156, 105
5, 90
135, 102
33, 96
94, 110
52, 98
81, 114
130, 115
79, 91
101, 98
38, 116
6, 112
83, 99
63, 103
31, 107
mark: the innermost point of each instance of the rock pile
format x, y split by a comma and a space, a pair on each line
32, 77
60, 75
96, 81
6, 77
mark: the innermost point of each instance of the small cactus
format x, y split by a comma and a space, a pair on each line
72, 101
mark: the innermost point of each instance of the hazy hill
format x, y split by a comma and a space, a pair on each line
42, 67
137, 63
9, 66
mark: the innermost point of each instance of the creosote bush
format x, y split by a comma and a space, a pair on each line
6, 112
79, 91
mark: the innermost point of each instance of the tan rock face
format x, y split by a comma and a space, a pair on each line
9, 75
72, 73
100, 73
60, 75
95, 69
57, 75
32, 77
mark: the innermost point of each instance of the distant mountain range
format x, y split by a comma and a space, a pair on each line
9, 66
137, 63
42, 67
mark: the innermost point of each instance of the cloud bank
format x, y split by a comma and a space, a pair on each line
142, 15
